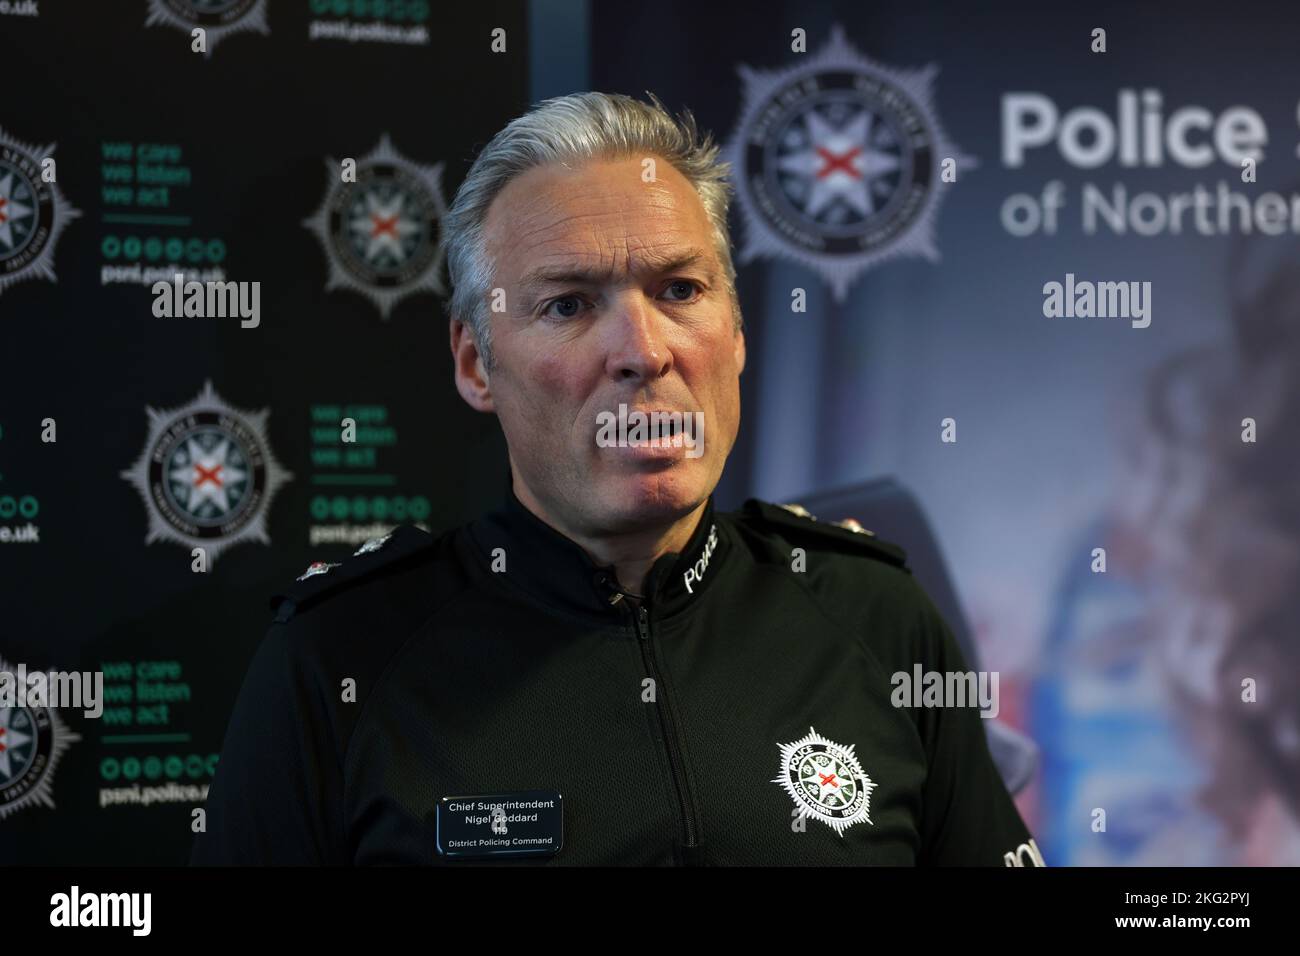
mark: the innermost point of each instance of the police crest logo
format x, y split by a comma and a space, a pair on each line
837, 161
825, 781
32, 741
207, 475
381, 233
32, 213
218, 18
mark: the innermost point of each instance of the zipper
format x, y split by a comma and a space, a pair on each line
675, 762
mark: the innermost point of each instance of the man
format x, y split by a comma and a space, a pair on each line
606, 670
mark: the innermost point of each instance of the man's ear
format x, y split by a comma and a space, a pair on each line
471, 378
739, 346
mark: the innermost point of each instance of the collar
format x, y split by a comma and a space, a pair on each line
555, 571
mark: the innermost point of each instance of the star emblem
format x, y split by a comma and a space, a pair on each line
382, 233
32, 742
218, 18
825, 781
836, 162
206, 474
33, 213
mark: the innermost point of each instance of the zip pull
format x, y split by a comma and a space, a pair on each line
643, 622
608, 588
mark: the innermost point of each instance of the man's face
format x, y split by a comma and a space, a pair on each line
614, 294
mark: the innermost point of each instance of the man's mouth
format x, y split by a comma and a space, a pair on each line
656, 431
669, 422
660, 424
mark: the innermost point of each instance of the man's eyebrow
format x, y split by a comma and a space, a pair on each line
645, 262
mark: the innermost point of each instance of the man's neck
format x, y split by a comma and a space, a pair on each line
632, 554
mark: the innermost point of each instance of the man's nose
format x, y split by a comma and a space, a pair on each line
638, 346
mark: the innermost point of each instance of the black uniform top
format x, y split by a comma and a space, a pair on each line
740, 714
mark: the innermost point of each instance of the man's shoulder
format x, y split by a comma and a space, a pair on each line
405, 569
854, 574
791, 526
856, 577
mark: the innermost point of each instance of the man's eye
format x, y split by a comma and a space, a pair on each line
688, 286
568, 306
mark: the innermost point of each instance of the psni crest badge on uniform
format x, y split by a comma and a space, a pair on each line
826, 781
523, 823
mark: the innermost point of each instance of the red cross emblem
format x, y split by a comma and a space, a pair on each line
207, 474
843, 162
382, 225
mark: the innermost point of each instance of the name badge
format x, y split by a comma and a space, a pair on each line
519, 824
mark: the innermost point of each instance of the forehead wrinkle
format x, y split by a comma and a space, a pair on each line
538, 230
553, 206
540, 212
596, 238
578, 265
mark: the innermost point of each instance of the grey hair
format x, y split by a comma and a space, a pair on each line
577, 127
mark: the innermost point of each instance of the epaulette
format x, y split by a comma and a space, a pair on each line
796, 520
323, 578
